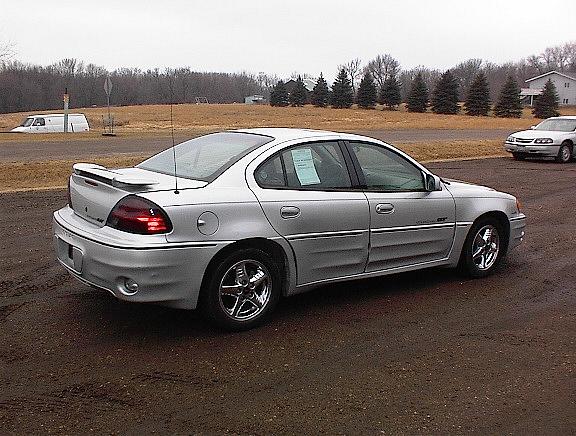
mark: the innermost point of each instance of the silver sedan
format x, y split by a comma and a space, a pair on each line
230, 222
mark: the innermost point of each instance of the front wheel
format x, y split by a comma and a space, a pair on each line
483, 249
564, 154
243, 290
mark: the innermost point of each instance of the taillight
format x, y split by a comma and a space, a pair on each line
135, 214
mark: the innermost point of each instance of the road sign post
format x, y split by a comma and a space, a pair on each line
108, 91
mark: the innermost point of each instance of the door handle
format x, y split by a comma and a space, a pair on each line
287, 212
384, 208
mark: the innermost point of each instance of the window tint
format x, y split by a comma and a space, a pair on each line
270, 174
205, 157
311, 166
316, 166
385, 170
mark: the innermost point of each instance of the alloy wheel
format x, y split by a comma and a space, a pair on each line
485, 247
565, 154
245, 290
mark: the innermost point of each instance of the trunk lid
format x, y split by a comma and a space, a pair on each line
95, 190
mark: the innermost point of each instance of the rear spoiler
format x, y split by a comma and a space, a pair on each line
110, 177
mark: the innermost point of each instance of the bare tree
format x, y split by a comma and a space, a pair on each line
549, 57
66, 67
354, 70
465, 72
570, 56
406, 77
382, 67
559, 58
7, 52
536, 63
295, 74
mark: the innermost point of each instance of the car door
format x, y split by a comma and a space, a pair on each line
306, 193
408, 224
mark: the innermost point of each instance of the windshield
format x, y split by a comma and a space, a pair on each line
27, 122
557, 125
206, 157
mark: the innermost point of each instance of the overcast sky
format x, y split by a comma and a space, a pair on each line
280, 37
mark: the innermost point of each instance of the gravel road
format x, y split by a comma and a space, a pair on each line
105, 146
425, 352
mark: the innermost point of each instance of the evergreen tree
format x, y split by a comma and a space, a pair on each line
509, 104
320, 93
279, 95
445, 95
546, 104
390, 93
342, 95
418, 97
367, 94
478, 99
299, 95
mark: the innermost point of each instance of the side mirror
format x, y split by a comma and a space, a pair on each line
433, 182
532, 127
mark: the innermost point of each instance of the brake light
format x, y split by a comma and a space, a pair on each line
135, 214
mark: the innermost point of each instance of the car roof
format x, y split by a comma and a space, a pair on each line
564, 117
282, 134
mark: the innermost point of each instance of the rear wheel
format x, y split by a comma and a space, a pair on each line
483, 249
243, 290
518, 156
565, 153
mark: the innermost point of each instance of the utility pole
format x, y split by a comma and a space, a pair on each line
66, 101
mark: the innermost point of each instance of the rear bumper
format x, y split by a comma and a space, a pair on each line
517, 227
170, 275
533, 150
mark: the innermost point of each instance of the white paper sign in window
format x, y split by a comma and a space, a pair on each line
304, 166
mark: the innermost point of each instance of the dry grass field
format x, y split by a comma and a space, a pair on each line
148, 121
155, 119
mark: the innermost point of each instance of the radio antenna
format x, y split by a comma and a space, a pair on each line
172, 130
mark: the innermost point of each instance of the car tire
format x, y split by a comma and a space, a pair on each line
242, 290
565, 153
518, 156
483, 249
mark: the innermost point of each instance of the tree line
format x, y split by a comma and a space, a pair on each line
468, 82
26, 87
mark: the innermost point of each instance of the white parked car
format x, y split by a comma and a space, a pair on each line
264, 213
554, 137
52, 123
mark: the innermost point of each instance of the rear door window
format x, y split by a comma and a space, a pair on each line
312, 166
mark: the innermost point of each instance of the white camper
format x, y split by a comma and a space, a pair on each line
51, 123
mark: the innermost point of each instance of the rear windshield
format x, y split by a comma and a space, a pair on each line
557, 125
206, 157
27, 122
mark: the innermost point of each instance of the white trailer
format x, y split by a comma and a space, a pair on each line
52, 123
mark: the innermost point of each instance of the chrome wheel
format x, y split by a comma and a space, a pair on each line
564, 154
485, 247
245, 290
